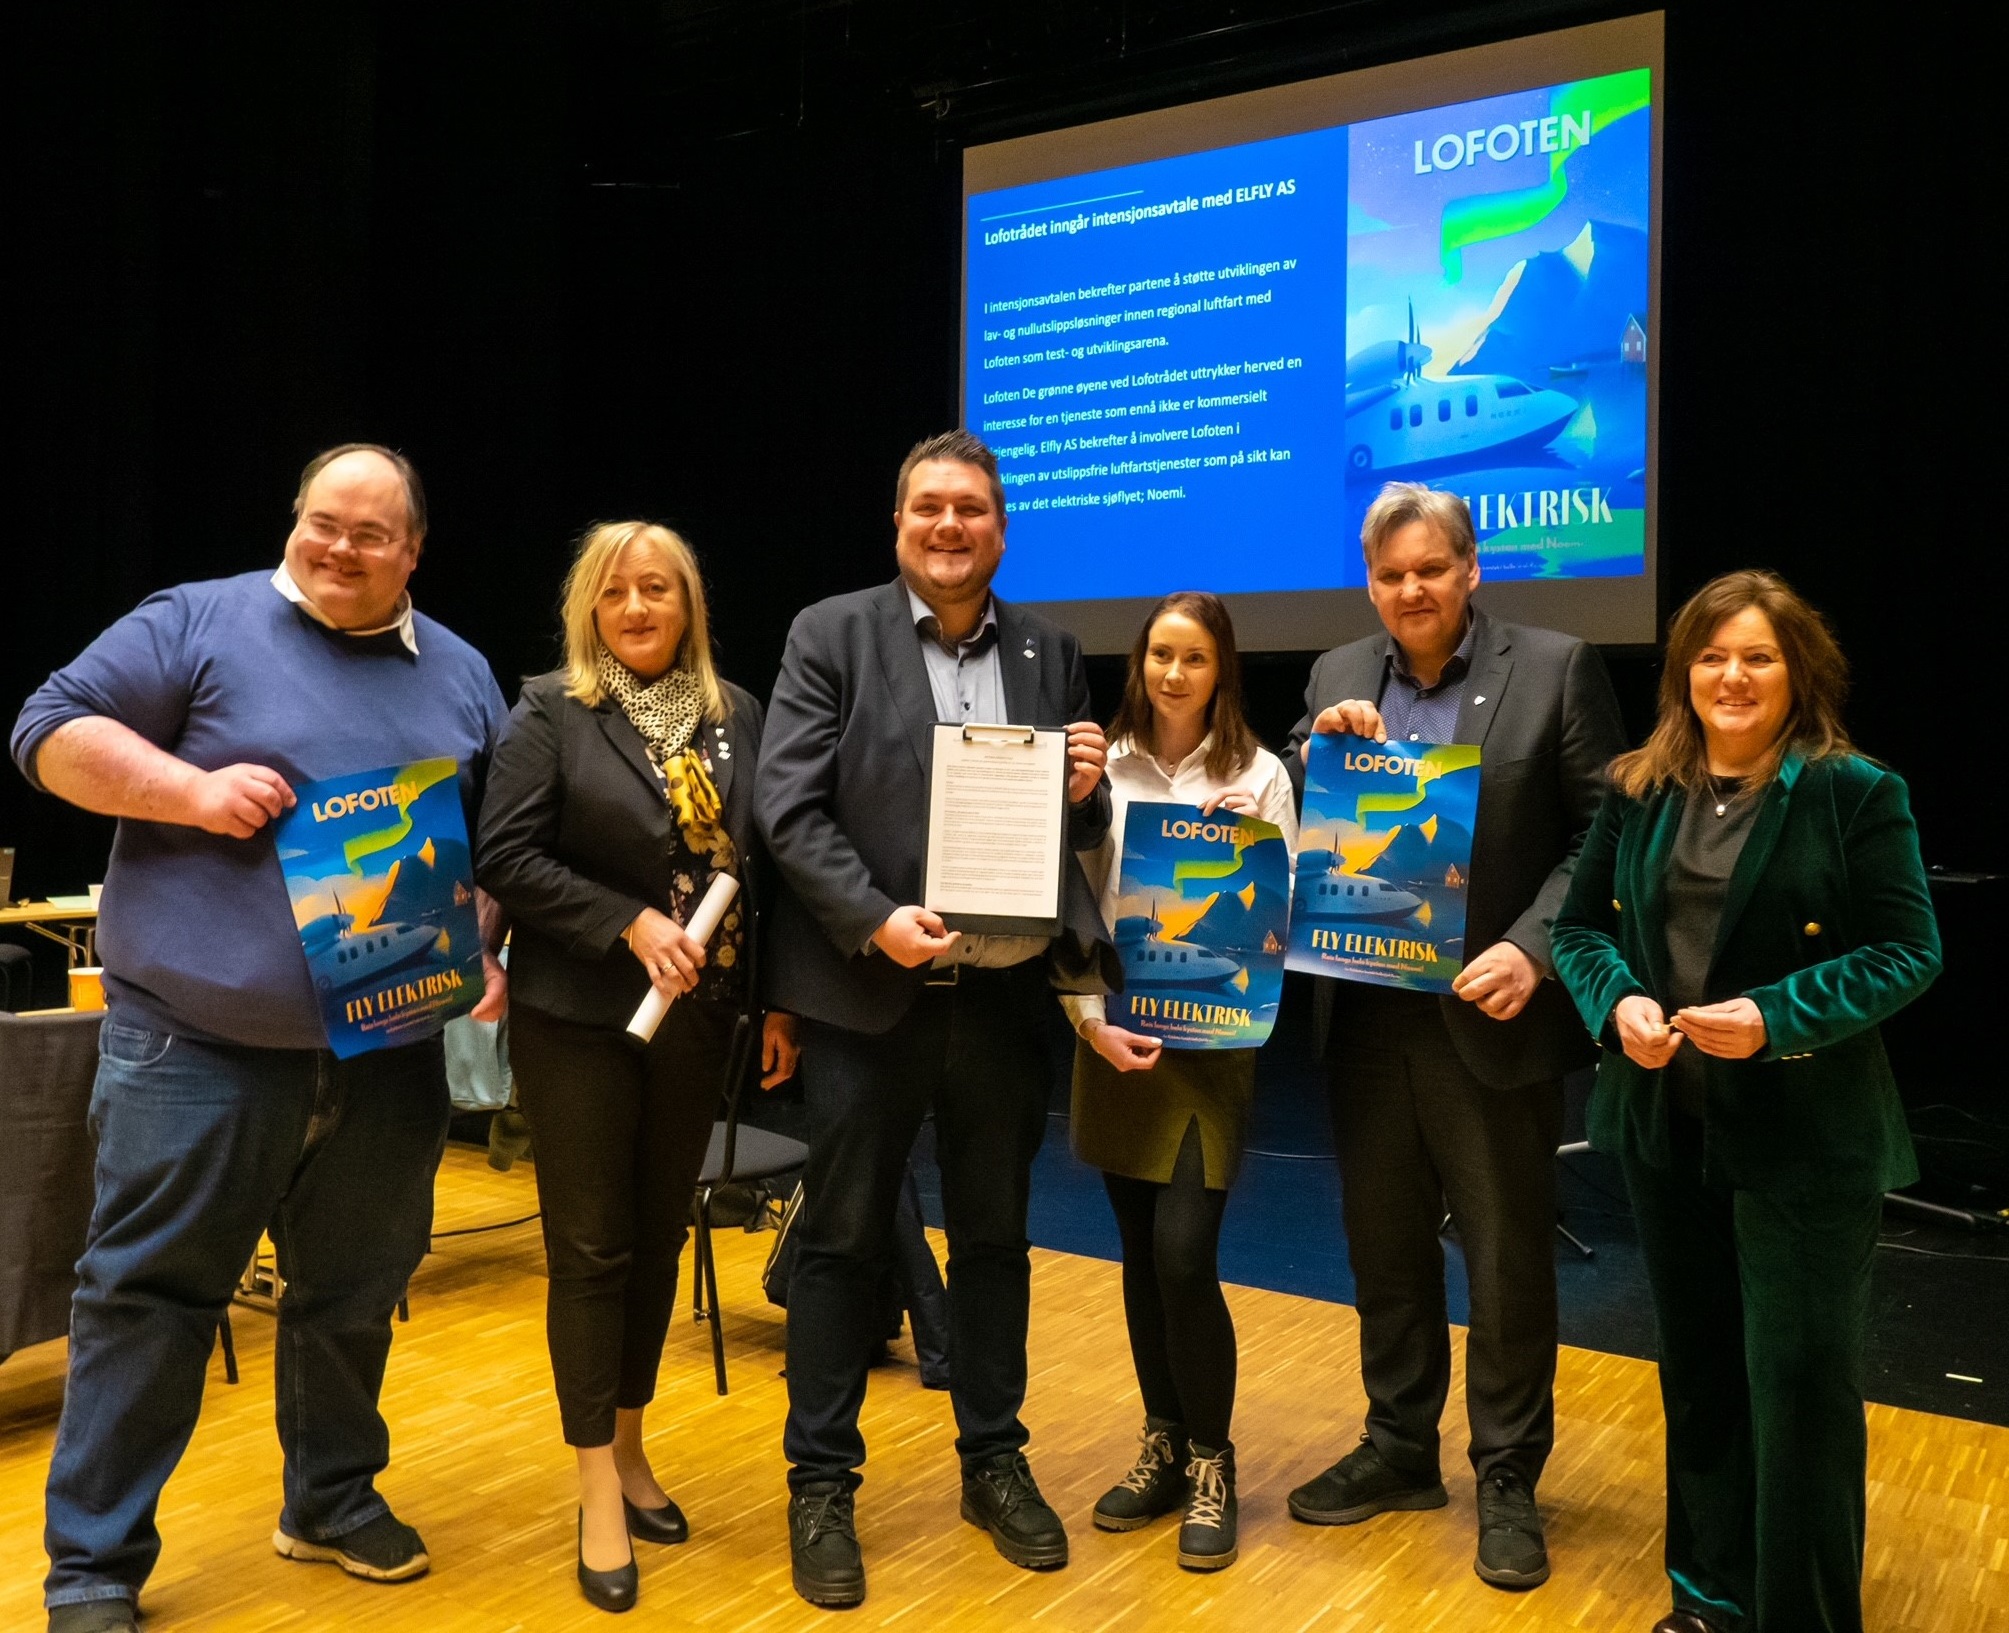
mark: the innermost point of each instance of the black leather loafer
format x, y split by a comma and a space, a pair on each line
665, 1524
613, 1590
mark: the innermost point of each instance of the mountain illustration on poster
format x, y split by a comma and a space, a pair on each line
1384, 861
381, 879
1202, 911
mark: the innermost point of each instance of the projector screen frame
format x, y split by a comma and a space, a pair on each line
1313, 619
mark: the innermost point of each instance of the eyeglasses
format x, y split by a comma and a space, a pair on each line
364, 538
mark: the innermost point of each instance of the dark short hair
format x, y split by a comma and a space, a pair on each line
960, 448
415, 493
1234, 746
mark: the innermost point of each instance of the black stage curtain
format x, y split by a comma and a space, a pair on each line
699, 261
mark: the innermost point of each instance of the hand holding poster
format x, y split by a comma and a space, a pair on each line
1384, 861
1200, 921
381, 879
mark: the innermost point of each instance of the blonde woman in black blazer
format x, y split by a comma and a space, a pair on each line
622, 783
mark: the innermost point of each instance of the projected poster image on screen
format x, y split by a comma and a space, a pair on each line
1496, 320
1198, 371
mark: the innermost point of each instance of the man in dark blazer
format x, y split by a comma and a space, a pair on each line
1455, 1102
901, 1015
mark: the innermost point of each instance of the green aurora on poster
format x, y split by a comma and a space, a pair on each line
1384, 861
1202, 906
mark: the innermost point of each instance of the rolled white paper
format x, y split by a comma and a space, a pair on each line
704, 924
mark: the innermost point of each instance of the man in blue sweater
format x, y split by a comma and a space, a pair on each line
220, 1110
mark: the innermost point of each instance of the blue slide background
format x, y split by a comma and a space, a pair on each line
1083, 526
1210, 398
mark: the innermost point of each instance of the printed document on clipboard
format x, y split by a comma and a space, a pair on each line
997, 829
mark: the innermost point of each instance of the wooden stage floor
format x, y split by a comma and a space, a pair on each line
479, 1468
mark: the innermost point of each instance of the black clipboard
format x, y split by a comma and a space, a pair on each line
996, 740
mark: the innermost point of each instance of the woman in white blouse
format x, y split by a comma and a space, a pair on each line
1166, 1127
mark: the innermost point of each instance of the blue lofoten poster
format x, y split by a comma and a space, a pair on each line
1384, 861
1201, 912
381, 880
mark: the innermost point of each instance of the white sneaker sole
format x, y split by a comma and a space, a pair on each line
315, 1553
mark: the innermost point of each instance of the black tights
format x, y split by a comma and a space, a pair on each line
1182, 1338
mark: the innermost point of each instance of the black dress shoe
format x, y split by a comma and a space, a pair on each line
1359, 1486
613, 1590
1684, 1621
665, 1524
1000, 1496
825, 1562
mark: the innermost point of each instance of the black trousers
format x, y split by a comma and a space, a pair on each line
618, 1135
1418, 1135
917, 1284
972, 1052
1182, 1337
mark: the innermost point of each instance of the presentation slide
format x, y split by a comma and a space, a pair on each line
1197, 371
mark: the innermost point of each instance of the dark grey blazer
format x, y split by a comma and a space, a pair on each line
574, 841
843, 800
1549, 725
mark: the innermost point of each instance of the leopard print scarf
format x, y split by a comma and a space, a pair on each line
665, 710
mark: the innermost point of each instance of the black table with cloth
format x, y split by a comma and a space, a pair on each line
47, 1064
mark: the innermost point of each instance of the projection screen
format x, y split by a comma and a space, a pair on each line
1201, 339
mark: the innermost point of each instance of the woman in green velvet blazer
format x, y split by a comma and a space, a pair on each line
1751, 894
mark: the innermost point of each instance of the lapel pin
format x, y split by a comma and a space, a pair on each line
1030, 653
1481, 698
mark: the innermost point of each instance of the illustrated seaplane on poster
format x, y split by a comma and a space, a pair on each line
340, 956
1396, 420
1153, 957
1355, 897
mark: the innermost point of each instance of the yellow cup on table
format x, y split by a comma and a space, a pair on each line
87, 986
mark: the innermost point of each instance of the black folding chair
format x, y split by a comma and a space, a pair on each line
736, 1156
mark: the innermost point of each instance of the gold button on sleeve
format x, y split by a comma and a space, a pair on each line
1812, 927
1617, 906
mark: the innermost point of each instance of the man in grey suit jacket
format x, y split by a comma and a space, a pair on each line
1456, 1101
900, 1014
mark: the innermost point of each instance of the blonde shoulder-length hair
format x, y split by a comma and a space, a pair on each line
600, 551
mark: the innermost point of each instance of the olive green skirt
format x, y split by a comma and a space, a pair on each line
1132, 1123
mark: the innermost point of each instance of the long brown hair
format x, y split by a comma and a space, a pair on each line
1234, 747
1816, 673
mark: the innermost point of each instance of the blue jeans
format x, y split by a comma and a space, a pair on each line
200, 1147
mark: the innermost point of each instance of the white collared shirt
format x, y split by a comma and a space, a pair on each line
1135, 775
282, 581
